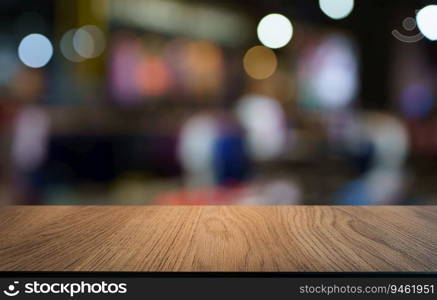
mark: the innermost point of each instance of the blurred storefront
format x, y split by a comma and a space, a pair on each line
217, 102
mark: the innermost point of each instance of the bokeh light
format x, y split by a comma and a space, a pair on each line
203, 62
336, 9
329, 74
89, 41
275, 31
427, 22
260, 62
152, 76
67, 49
35, 50
125, 54
83, 43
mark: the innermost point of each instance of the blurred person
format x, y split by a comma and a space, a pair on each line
379, 143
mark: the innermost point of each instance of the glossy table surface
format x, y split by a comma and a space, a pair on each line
218, 238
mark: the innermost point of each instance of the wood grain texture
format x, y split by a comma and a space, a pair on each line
211, 238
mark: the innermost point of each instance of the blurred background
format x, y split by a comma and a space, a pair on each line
196, 102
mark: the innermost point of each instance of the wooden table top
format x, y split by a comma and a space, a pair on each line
212, 238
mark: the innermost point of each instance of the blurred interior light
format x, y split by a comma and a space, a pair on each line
264, 121
427, 22
204, 67
275, 31
83, 43
330, 74
35, 50
336, 9
198, 20
89, 41
260, 62
98, 39
67, 48
152, 76
125, 55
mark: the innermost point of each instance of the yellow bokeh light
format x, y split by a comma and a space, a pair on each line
260, 62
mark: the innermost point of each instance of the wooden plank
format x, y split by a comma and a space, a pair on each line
218, 238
